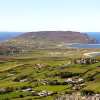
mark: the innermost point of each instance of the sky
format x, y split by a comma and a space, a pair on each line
42, 15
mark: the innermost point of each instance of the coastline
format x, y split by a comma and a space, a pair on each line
92, 54
81, 45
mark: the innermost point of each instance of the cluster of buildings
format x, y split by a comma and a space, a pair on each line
77, 83
77, 96
84, 61
39, 66
41, 93
74, 80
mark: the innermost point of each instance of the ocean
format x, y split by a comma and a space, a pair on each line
8, 35
79, 45
95, 35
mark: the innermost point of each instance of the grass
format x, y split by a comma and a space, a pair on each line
12, 95
56, 88
26, 65
5, 84
7, 65
93, 86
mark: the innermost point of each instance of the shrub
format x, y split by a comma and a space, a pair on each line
86, 92
68, 74
54, 82
21, 96
6, 90
17, 79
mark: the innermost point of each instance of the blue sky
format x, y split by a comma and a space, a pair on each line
39, 15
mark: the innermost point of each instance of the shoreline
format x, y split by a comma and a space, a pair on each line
92, 54
84, 46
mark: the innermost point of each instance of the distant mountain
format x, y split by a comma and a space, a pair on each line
8, 35
95, 35
48, 39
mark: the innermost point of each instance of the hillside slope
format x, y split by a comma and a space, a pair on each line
48, 39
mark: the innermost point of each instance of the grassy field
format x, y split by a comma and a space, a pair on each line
40, 66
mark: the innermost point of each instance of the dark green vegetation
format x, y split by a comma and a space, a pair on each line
23, 77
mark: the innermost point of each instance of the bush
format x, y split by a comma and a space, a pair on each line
17, 79
68, 74
6, 90
21, 96
90, 78
9, 89
86, 92
55, 82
